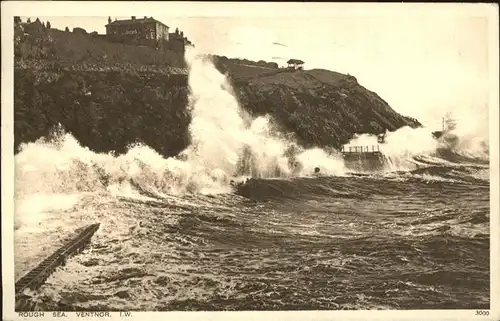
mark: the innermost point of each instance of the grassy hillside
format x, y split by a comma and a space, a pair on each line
321, 107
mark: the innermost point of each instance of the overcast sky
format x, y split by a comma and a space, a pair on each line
423, 60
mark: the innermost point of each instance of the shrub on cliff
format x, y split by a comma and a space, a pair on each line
80, 31
273, 65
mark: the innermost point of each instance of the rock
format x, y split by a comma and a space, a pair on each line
162, 280
91, 262
122, 294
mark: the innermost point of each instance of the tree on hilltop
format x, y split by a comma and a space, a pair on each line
48, 25
29, 20
66, 29
17, 20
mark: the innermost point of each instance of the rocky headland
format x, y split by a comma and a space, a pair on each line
110, 95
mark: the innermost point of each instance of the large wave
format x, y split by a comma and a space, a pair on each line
227, 144
409, 148
226, 138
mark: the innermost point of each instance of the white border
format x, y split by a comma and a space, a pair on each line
214, 9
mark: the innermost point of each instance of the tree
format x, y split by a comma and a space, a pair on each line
48, 25
17, 20
29, 20
66, 29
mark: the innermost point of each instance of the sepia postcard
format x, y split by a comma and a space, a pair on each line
227, 160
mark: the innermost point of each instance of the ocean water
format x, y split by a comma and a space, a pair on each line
387, 242
239, 221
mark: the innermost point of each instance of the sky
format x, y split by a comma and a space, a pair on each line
423, 60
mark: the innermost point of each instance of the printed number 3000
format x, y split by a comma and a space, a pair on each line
482, 312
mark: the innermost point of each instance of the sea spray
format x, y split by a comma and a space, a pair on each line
469, 136
221, 138
225, 138
403, 148
226, 144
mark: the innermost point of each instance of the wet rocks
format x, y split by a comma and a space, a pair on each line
162, 280
81, 297
90, 262
122, 294
124, 274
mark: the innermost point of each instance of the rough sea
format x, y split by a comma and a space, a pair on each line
177, 234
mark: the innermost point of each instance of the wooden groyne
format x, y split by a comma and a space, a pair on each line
37, 277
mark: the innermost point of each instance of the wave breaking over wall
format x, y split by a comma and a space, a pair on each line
226, 144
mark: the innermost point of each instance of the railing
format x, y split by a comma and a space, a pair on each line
361, 149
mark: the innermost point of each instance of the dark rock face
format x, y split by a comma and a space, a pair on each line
323, 116
322, 108
105, 111
107, 106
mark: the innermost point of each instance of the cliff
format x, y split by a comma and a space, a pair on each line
110, 95
322, 107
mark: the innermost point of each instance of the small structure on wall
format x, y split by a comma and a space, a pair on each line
296, 64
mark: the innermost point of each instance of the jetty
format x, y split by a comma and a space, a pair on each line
363, 158
37, 277
352, 150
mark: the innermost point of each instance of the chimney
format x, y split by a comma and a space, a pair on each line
133, 17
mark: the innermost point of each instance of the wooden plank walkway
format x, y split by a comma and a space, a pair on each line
37, 277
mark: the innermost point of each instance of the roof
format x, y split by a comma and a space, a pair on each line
295, 61
134, 21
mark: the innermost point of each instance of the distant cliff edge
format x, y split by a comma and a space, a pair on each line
110, 95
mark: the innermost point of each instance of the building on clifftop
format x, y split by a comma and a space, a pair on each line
137, 29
